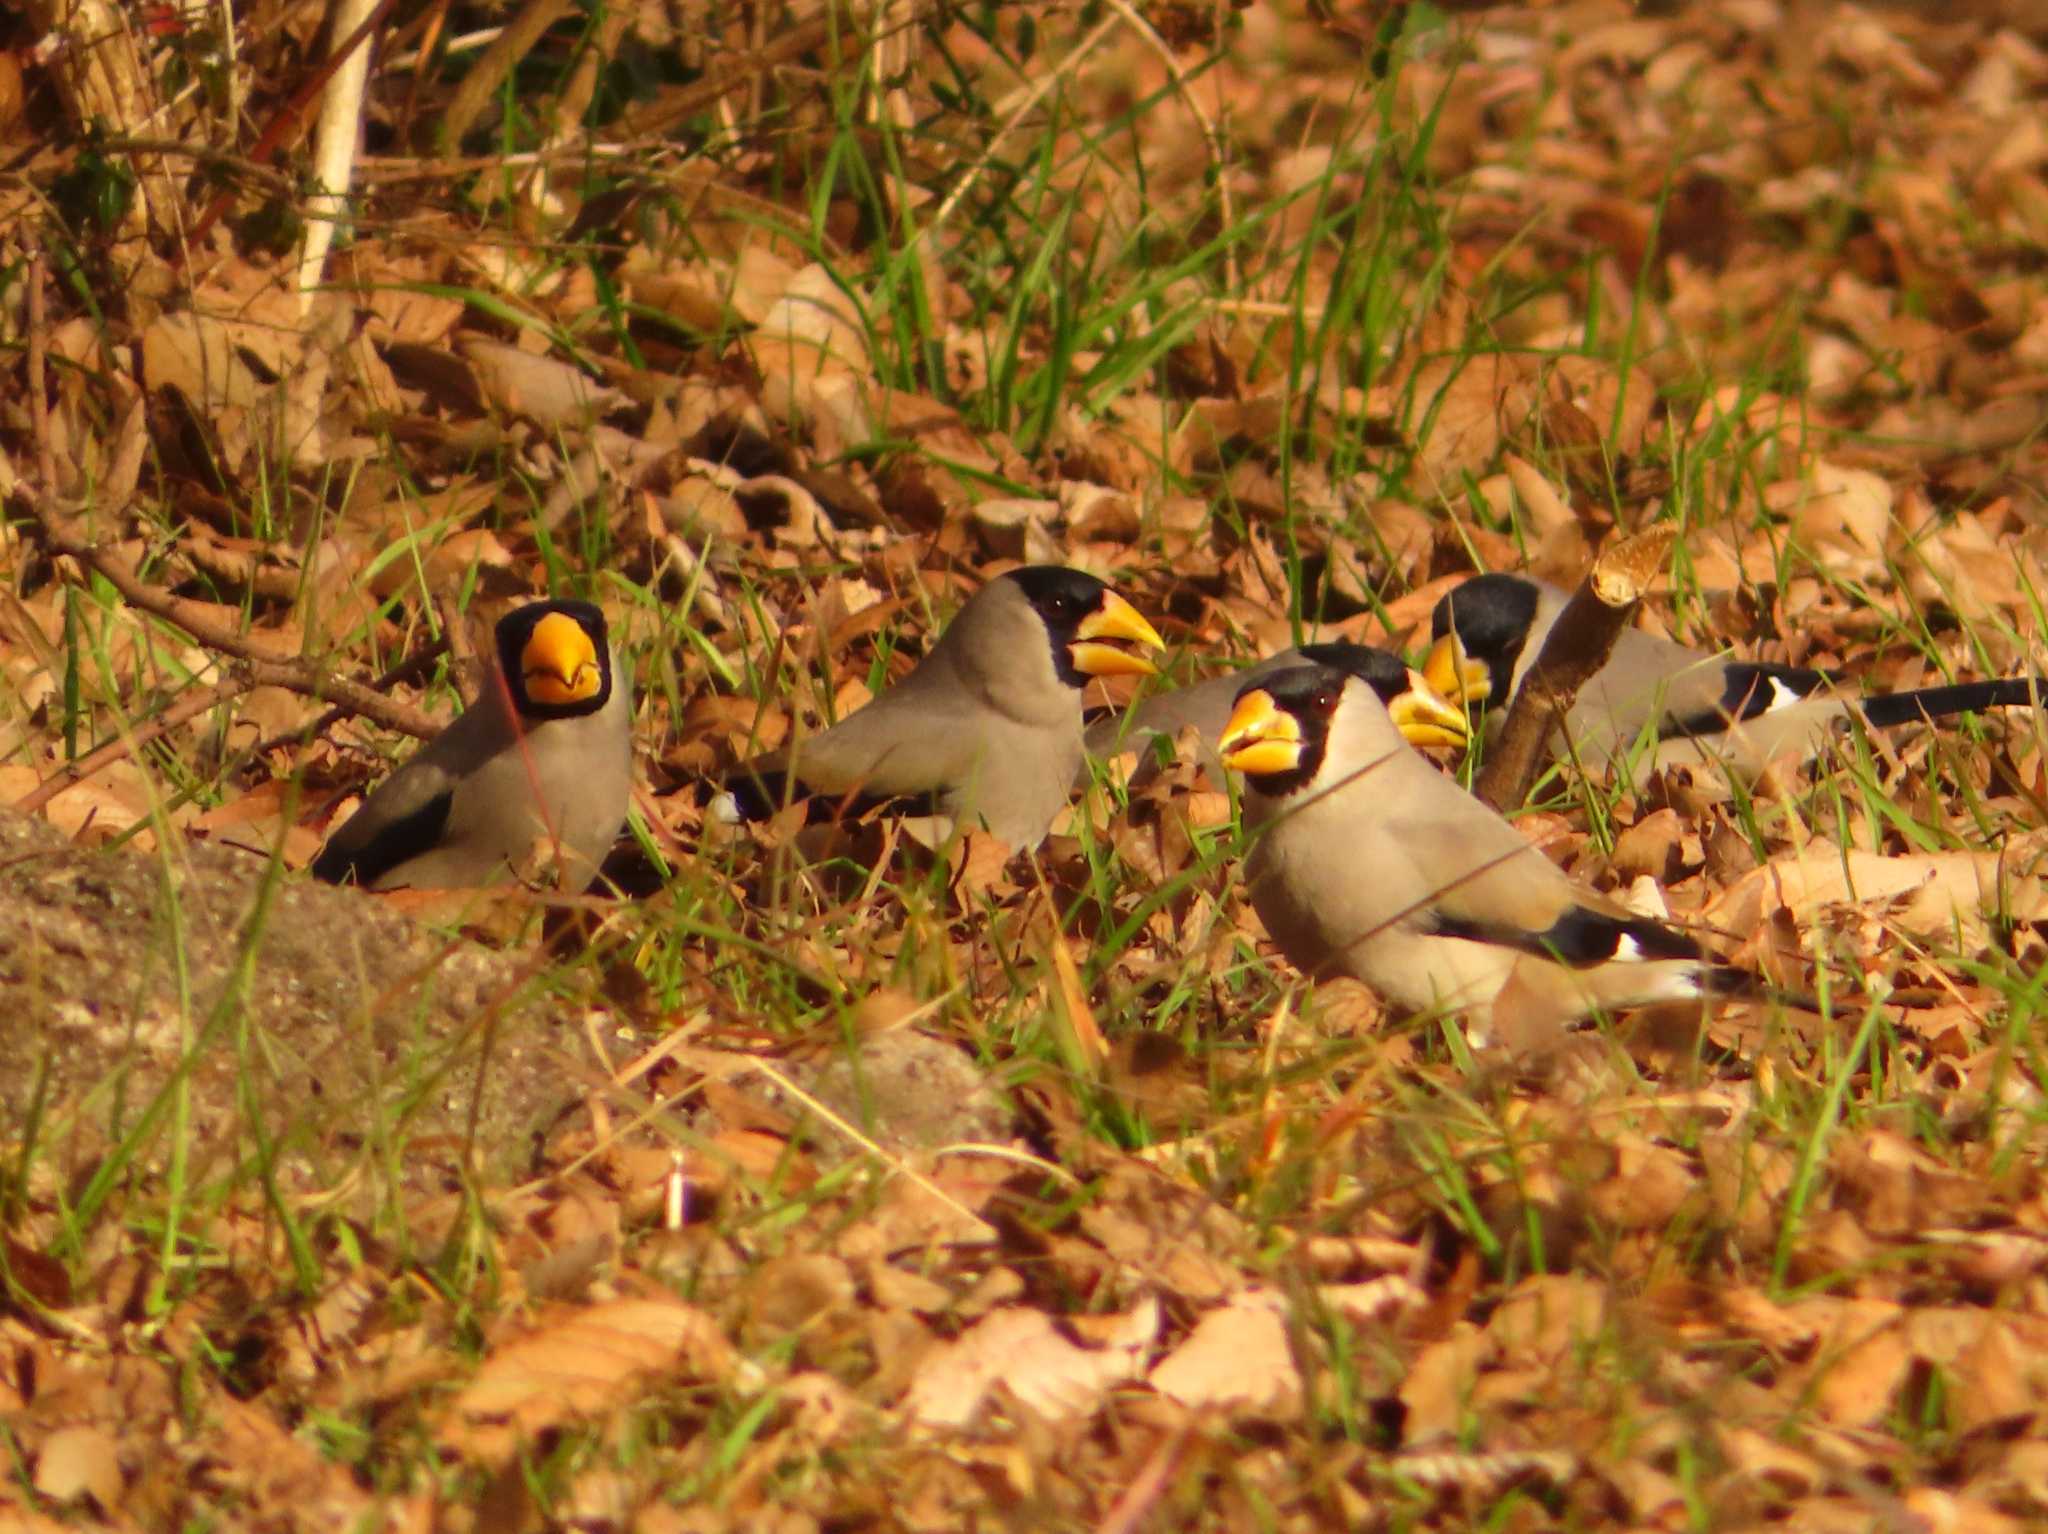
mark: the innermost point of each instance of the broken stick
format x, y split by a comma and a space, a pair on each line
1579, 644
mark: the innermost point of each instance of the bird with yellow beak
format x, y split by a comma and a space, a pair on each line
544, 755
1369, 862
986, 731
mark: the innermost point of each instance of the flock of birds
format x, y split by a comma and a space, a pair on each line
1365, 859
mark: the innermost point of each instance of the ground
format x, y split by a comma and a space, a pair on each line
944, 1192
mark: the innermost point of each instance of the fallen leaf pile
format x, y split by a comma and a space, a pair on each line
892, 1188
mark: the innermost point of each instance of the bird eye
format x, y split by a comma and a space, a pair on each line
1323, 701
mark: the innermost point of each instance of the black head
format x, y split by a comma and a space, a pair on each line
1422, 714
1493, 616
1062, 597
1081, 617
1386, 674
556, 658
1279, 730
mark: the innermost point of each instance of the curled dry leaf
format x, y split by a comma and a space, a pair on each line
1483, 1472
1019, 529
1237, 1357
1548, 1315
1027, 1353
1459, 409
80, 1461
583, 1361
1841, 517
552, 393
1757, 1456
105, 804
1937, 897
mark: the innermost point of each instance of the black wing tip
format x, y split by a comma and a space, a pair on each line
396, 843
1657, 941
1582, 936
1728, 983
332, 866
754, 796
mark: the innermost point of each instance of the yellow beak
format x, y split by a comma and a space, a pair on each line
1114, 619
559, 663
1262, 738
1424, 718
1455, 675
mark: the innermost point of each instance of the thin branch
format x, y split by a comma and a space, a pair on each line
1148, 35
412, 669
38, 399
466, 668
249, 668
1017, 104
1579, 644
286, 122
300, 675
129, 741
335, 132
483, 78
670, 108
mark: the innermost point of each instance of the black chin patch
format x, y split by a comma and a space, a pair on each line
1063, 599
516, 628
1311, 695
1493, 615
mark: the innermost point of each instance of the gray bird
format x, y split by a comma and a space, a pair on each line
1369, 862
986, 731
1683, 707
544, 756
1204, 707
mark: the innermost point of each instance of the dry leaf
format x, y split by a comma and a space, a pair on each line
579, 1362
80, 1461
1237, 1357
1027, 1353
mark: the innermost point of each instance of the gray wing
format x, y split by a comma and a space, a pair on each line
407, 814
915, 738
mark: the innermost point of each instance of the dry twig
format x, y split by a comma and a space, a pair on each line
489, 73
1578, 646
190, 706
299, 675
285, 124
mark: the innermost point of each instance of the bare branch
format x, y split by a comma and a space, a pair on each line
306, 677
1579, 644
191, 705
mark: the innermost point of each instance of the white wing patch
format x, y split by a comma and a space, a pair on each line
1782, 696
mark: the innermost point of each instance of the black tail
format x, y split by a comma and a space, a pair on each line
1729, 983
1957, 698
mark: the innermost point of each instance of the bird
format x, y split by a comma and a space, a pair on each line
1367, 861
544, 755
1686, 707
1204, 707
986, 730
